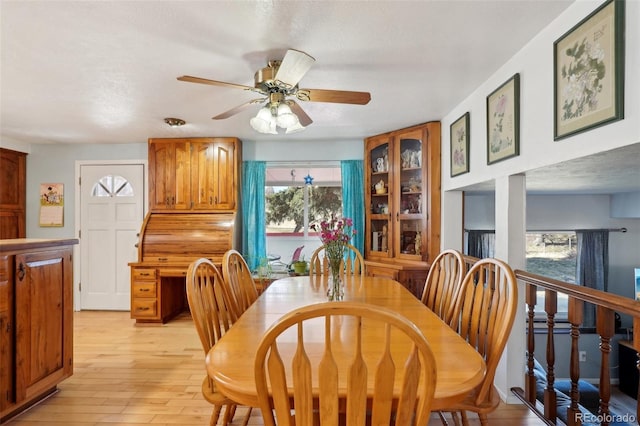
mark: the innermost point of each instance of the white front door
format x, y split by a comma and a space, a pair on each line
111, 214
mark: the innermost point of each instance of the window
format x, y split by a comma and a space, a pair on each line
110, 186
292, 205
553, 255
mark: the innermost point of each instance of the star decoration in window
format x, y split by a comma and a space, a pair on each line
308, 180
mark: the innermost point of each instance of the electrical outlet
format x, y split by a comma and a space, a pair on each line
583, 356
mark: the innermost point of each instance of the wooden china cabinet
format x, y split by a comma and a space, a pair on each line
402, 196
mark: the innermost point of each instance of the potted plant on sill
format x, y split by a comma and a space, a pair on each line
300, 267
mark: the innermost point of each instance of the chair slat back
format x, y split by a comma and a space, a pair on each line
210, 302
352, 264
484, 314
238, 276
443, 283
369, 379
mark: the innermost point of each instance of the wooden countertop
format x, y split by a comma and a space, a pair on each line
17, 244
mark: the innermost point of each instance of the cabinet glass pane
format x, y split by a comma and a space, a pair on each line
379, 236
410, 236
411, 176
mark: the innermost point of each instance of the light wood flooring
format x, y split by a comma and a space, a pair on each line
128, 375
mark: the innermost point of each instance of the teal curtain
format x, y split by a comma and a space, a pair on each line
353, 198
254, 236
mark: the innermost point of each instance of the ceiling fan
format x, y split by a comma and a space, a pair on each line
276, 83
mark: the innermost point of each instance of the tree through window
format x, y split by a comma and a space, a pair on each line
292, 207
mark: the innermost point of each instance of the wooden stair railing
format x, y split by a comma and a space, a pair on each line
607, 305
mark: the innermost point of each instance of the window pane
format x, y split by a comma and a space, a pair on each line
552, 255
325, 202
110, 185
299, 198
284, 208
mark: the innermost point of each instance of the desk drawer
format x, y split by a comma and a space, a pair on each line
144, 289
144, 308
139, 274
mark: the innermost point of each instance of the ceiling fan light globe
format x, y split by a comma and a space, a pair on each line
295, 128
264, 122
287, 120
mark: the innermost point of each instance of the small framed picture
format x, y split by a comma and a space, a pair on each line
589, 72
459, 135
503, 121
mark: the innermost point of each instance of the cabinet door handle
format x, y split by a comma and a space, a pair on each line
210, 200
167, 201
142, 290
397, 216
21, 271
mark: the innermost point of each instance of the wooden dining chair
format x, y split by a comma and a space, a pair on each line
353, 263
370, 384
213, 311
443, 283
483, 315
238, 276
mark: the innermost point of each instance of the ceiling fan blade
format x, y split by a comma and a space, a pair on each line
335, 96
191, 79
294, 65
305, 120
239, 108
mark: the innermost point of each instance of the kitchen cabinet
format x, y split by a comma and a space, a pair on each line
13, 177
194, 174
402, 196
36, 320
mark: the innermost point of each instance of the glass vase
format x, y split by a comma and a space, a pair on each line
335, 290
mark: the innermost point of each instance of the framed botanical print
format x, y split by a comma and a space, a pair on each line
459, 136
589, 72
503, 121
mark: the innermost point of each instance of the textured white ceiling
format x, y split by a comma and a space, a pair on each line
105, 71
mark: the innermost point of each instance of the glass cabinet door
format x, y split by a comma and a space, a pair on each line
381, 182
410, 198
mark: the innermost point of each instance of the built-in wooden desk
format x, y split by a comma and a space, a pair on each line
231, 361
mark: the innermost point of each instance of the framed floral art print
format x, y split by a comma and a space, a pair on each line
589, 72
503, 121
459, 136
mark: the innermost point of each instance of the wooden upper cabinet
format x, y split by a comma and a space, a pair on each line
13, 177
193, 174
214, 174
169, 175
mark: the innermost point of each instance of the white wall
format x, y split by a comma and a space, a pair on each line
54, 163
537, 147
292, 150
626, 205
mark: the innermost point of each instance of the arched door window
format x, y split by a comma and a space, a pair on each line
112, 186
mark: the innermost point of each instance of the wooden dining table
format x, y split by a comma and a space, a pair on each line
230, 363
